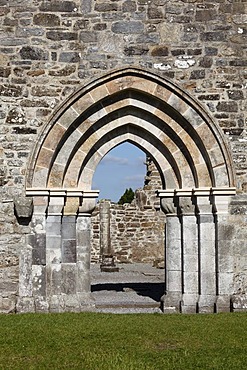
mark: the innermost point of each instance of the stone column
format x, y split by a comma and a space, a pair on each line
54, 252
32, 281
224, 252
173, 258
107, 257
83, 255
207, 255
189, 252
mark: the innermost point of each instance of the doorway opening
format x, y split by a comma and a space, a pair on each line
134, 238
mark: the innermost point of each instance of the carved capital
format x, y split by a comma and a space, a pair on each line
186, 206
168, 206
87, 206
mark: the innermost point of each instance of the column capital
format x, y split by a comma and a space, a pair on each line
202, 191
68, 200
168, 206
186, 206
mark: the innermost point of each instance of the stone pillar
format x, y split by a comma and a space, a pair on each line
107, 257
54, 252
173, 258
58, 258
32, 281
224, 252
207, 256
200, 248
83, 255
83, 251
189, 254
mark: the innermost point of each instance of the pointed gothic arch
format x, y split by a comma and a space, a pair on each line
197, 174
137, 106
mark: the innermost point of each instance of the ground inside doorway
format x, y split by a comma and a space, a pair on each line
136, 288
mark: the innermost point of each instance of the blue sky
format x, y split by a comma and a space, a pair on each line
123, 167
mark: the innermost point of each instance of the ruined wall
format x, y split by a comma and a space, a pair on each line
49, 48
137, 234
138, 229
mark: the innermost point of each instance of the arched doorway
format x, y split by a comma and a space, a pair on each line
189, 150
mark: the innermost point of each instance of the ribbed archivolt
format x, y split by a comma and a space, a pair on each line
130, 105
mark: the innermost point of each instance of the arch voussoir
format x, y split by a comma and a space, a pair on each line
147, 102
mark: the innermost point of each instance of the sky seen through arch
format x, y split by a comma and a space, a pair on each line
122, 167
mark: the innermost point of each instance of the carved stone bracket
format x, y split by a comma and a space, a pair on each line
23, 207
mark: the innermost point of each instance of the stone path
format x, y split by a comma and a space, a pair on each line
136, 288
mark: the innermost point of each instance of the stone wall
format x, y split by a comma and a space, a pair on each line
138, 229
137, 234
50, 48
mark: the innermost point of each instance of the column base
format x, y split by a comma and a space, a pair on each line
71, 303
223, 303
25, 305
189, 303
206, 304
171, 302
108, 264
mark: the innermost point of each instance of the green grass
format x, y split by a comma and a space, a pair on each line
120, 342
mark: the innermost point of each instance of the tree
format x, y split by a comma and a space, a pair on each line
127, 197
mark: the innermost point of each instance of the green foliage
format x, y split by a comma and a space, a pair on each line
127, 197
123, 342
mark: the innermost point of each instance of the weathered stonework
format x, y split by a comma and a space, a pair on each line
186, 64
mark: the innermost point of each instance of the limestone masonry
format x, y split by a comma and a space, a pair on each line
81, 77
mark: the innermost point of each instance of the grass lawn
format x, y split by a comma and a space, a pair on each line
137, 341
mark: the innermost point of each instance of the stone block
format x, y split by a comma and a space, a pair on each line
54, 279
197, 74
69, 251
225, 283
159, 51
39, 282
25, 305
8, 304
174, 281
206, 304
46, 20
10, 90
53, 226
39, 252
83, 281
106, 7
23, 207
69, 57
223, 303
213, 36
135, 50
190, 282
5, 71
228, 106
53, 250
239, 303
86, 6
131, 27
129, 6
25, 266
87, 37
61, 35
58, 6
208, 282
68, 279
235, 94
33, 53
